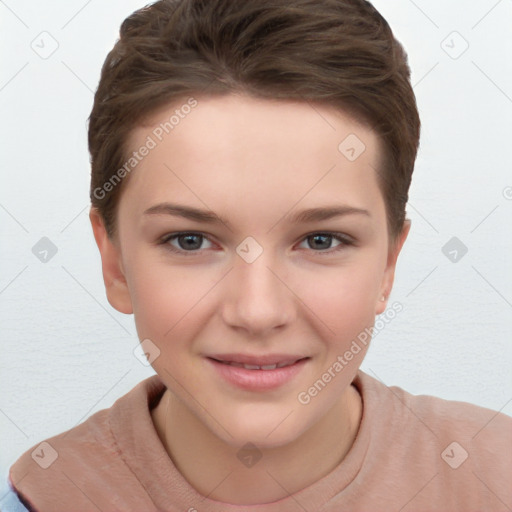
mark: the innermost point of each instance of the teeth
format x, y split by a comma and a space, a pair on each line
264, 367
240, 365
286, 363
251, 367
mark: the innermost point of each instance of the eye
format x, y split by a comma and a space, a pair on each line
190, 243
185, 242
322, 242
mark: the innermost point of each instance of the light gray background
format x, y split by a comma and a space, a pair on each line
67, 354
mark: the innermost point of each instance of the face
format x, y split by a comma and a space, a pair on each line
248, 234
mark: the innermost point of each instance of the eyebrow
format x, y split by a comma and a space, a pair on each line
206, 216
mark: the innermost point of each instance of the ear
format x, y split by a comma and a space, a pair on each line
113, 273
389, 273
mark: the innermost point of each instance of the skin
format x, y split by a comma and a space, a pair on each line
255, 163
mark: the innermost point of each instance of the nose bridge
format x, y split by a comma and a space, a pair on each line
257, 300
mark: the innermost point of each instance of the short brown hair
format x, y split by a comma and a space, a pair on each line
336, 52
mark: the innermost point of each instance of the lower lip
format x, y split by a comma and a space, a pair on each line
257, 380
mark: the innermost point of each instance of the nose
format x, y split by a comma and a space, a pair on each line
257, 299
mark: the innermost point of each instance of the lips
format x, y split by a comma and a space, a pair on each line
257, 373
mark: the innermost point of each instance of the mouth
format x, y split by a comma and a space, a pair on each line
257, 374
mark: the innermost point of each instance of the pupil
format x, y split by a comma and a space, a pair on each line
325, 239
190, 244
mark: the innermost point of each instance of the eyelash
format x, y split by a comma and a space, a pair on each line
341, 237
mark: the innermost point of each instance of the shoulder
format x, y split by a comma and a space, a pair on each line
436, 416
9, 500
86, 461
60, 463
451, 449
479, 426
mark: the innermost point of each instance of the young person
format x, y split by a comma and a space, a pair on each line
250, 170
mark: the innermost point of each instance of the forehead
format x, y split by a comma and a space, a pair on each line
253, 149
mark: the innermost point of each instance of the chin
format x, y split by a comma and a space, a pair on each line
266, 431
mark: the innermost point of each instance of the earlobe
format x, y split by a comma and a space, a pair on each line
389, 273
116, 286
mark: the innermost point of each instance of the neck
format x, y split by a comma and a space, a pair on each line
214, 470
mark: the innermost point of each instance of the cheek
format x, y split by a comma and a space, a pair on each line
342, 302
341, 295
166, 303
168, 300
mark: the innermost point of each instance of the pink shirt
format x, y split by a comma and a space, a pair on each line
411, 454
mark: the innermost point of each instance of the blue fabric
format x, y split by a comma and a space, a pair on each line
9, 501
